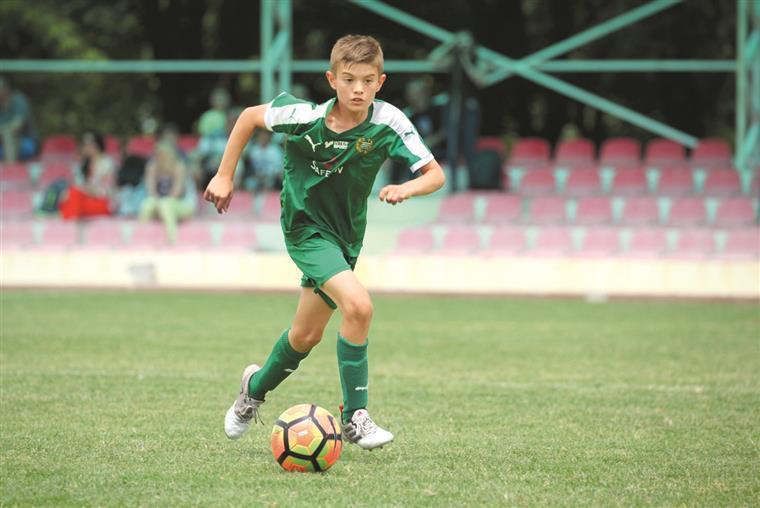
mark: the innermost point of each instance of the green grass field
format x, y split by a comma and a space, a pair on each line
118, 399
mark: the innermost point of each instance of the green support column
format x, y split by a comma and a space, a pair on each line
267, 36
285, 61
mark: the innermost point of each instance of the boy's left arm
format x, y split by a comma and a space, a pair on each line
431, 180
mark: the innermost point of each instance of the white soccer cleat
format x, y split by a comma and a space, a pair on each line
244, 410
363, 431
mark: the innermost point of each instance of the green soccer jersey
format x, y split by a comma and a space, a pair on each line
329, 175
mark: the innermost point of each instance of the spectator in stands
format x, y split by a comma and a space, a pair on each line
266, 163
94, 192
169, 133
171, 194
18, 137
214, 121
208, 154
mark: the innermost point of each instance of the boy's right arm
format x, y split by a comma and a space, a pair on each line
219, 190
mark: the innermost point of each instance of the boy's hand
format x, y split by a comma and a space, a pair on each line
219, 192
394, 194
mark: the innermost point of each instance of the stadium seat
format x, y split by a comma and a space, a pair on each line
711, 152
59, 145
506, 241
694, 243
530, 152
552, 242
105, 233
735, 212
14, 175
113, 147
56, 234
503, 208
659, 151
194, 235
675, 181
629, 182
619, 152
600, 243
270, 211
640, 210
723, 182
687, 212
594, 210
460, 240
548, 210
647, 243
148, 235
492, 143
538, 182
583, 182
415, 241
16, 234
15, 203
53, 171
187, 143
143, 146
742, 244
575, 152
240, 206
238, 235
457, 208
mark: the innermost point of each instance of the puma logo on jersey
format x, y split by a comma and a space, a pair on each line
312, 143
340, 145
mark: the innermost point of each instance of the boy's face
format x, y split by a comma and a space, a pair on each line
356, 84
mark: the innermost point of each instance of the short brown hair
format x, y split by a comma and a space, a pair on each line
357, 49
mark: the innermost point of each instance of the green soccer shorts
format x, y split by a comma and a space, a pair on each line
319, 259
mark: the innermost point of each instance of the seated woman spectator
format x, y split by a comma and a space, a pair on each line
171, 195
266, 163
94, 194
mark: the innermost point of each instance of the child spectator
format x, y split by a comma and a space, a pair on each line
214, 121
94, 195
18, 137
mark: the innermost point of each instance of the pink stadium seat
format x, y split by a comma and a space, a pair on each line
106, 233
687, 212
14, 175
548, 210
59, 144
694, 243
711, 152
629, 182
675, 182
414, 241
270, 211
583, 182
506, 241
148, 235
723, 182
240, 206
503, 208
57, 234
188, 142
457, 208
53, 171
143, 146
640, 210
238, 235
735, 212
529, 152
594, 210
661, 151
648, 243
14, 203
194, 235
600, 243
552, 242
538, 182
493, 143
742, 244
574, 152
16, 235
461, 240
113, 147
620, 152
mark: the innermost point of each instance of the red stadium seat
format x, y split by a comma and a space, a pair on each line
620, 152
113, 147
240, 206
148, 235
15, 203
270, 211
661, 151
629, 182
187, 142
143, 146
105, 233
675, 182
530, 152
723, 182
53, 171
503, 208
575, 152
457, 208
640, 210
492, 143
461, 240
194, 235
594, 210
506, 241
553, 242
742, 244
415, 241
694, 243
583, 182
538, 182
57, 234
600, 242
59, 144
238, 235
14, 175
687, 212
735, 212
648, 243
16, 234
548, 210
711, 152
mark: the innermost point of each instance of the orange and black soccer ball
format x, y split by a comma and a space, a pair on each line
306, 438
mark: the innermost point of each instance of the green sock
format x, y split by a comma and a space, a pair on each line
354, 376
282, 361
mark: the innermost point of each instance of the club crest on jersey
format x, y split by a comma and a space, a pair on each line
364, 145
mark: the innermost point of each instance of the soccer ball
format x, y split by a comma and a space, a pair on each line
306, 438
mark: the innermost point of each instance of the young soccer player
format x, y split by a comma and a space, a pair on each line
333, 153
